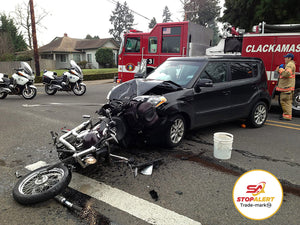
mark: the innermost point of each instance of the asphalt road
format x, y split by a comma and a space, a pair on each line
190, 181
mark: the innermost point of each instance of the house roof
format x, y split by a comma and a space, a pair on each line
67, 44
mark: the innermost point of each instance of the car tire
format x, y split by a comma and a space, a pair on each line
175, 131
258, 115
296, 102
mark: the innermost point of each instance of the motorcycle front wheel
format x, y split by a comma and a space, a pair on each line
41, 184
3, 95
29, 93
79, 89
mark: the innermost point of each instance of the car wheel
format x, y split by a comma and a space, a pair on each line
175, 131
258, 115
296, 102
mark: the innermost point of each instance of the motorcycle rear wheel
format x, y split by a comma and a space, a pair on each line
50, 91
41, 184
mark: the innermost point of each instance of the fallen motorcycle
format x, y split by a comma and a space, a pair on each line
21, 83
83, 146
77, 148
69, 81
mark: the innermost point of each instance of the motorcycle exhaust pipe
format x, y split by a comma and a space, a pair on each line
5, 90
62, 200
54, 86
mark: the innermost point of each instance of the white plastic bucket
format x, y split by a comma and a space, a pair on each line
222, 145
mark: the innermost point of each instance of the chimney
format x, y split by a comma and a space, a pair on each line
65, 35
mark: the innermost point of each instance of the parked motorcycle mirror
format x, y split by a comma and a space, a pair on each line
86, 116
203, 83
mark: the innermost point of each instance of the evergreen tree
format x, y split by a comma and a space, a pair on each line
88, 36
14, 37
122, 19
152, 23
166, 15
203, 12
247, 13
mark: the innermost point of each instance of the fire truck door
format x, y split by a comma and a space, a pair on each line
132, 57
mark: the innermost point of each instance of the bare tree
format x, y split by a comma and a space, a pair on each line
22, 17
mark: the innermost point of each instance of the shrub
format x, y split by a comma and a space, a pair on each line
82, 64
7, 57
23, 58
104, 56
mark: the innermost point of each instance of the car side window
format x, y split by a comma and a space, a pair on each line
240, 70
215, 71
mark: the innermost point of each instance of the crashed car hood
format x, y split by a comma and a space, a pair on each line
138, 87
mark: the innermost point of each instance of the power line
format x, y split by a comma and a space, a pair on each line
116, 2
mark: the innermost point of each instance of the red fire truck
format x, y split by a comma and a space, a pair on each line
163, 41
268, 42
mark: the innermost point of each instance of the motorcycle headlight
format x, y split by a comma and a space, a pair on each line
154, 100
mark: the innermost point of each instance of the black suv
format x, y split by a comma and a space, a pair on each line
200, 91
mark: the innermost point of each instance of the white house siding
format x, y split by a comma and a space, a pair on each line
62, 64
93, 63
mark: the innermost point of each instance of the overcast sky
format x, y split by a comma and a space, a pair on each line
79, 18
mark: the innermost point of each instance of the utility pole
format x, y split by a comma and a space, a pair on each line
34, 41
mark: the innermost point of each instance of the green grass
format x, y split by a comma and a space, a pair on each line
90, 71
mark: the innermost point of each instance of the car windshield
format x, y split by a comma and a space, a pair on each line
179, 72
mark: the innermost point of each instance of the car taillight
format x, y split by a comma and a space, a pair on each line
119, 81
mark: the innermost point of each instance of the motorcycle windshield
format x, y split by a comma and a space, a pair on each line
27, 69
76, 68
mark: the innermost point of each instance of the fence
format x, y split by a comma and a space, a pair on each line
8, 67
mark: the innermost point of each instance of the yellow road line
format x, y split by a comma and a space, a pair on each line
286, 123
278, 125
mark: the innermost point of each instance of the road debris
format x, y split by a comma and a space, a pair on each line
154, 195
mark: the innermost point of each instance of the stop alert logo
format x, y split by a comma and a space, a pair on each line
257, 194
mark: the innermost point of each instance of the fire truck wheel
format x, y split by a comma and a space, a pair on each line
258, 115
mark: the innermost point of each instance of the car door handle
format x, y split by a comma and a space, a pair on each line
226, 92
254, 87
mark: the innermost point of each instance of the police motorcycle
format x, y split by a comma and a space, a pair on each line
69, 81
83, 146
21, 83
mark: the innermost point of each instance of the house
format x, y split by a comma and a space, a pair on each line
63, 49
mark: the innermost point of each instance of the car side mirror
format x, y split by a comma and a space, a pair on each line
203, 83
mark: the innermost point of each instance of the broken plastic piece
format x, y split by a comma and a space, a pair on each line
147, 171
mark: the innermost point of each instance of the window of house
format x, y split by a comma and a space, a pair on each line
152, 45
171, 39
63, 58
76, 57
89, 57
133, 44
215, 71
240, 70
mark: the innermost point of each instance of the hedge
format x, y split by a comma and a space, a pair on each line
87, 77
